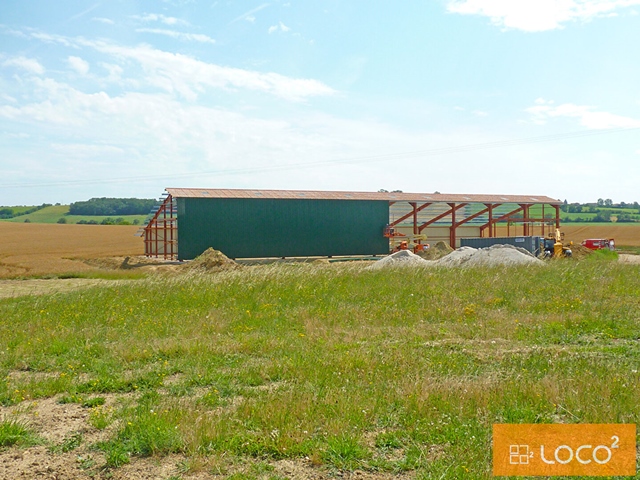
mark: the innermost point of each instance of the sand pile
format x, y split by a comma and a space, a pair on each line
211, 259
436, 251
494, 255
403, 258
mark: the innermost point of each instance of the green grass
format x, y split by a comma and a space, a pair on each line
16, 433
56, 212
391, 371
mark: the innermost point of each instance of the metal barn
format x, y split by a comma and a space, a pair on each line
291, 223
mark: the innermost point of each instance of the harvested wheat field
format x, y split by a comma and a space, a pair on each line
29, 249
627, 235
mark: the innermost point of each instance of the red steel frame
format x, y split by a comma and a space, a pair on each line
162, 231
491, 224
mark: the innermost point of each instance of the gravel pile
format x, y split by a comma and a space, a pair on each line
403, 258
462, 257
493, 255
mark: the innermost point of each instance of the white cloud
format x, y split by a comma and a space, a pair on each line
156, 129
115, 71
106, 21
187, 76
281, 27
196, 37
79, 65
543, 111
151, 139
538, 15
158, 17
29, 64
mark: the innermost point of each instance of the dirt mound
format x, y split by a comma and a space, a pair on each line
403, 258
212, 259
436, 252
580, 252
494, 255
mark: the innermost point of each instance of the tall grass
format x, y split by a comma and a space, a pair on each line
387, 370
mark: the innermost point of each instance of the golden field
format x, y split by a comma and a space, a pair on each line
28, 249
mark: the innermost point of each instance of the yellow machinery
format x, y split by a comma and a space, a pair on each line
554, 247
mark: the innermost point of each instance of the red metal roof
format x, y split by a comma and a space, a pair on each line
388, 196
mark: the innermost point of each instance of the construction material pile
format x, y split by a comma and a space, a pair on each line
493, 255
211, 260
462, 257
436, 251
403, 258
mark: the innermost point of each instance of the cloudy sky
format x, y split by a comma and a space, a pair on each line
122, 98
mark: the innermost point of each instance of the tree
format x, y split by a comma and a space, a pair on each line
112, 206
608, 202
602, 217
600, 202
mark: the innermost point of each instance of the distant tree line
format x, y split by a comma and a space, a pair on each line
604, 210
112, 206
106, 221
9, 212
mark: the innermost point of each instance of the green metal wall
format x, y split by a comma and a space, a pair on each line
255, 228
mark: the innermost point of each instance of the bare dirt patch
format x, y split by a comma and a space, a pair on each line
624, 258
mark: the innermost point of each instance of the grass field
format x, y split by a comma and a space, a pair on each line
55, 212
317, 371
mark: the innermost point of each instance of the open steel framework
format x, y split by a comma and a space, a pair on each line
487, 216
415, 211
161, 231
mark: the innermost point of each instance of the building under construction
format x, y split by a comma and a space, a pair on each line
294, 223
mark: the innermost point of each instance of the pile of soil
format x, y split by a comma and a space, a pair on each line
436, 252
212, 260
579, 252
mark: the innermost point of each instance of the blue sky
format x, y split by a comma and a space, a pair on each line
123, 98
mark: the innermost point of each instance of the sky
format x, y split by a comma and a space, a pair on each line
123, 98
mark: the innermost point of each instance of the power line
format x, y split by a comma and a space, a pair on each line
352, 160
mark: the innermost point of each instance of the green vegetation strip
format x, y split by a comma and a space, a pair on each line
394, 371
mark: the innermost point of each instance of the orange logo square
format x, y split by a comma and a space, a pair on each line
564, 449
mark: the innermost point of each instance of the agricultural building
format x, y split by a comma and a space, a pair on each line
292, 223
